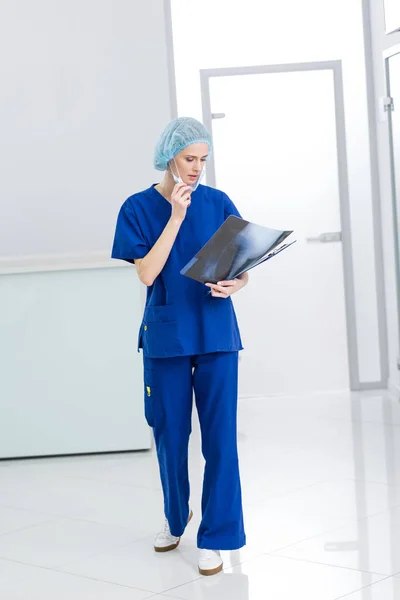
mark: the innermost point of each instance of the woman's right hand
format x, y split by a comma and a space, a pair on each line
180, 201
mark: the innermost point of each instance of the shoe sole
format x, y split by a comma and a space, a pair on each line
209, 572
172, 546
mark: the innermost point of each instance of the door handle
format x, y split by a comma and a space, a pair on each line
326, 238
218, 115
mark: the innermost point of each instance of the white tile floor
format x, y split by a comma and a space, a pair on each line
321, 489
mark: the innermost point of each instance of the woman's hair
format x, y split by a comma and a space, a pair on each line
177, 135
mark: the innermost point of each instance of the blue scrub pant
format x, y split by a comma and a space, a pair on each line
169, 385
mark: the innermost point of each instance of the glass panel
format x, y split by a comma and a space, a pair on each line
276, 156
392, 15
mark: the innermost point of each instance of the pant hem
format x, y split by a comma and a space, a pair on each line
221, 543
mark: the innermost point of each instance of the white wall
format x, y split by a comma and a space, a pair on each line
381, 42
85, 93
261, 33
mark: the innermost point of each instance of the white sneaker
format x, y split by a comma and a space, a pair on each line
210, 562
165, 541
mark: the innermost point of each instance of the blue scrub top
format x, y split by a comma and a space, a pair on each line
181, 318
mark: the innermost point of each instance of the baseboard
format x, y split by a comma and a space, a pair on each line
58, 262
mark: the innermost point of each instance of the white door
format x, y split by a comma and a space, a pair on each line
276, 156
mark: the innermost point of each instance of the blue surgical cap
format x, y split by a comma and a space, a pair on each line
177, 135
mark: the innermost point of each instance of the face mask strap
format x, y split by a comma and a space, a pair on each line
178, 178
200, 177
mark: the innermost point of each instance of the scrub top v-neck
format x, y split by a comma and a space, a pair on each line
181, 318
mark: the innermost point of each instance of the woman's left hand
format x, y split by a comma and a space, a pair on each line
224, 289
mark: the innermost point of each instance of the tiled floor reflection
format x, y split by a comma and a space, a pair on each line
321, 490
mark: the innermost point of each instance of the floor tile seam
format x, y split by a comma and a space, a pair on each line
362, 480
104, 481
318, 562
346, 523
261, 504
365, 587
50, 520
55, 517
80, 576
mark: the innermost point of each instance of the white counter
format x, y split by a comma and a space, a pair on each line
70, 376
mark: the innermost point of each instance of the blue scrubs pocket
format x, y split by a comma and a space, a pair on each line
160, 334
149, 398
153, 405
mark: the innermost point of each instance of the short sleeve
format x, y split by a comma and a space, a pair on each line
230, 208
129, 242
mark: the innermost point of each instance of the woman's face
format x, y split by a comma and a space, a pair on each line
190, 162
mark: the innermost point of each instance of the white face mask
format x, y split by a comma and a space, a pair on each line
178, 178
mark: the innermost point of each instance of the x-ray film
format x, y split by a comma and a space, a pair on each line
235, 248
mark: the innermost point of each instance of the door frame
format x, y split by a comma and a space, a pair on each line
348, 273
387, 55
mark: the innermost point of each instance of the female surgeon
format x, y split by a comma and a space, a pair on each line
190, 340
